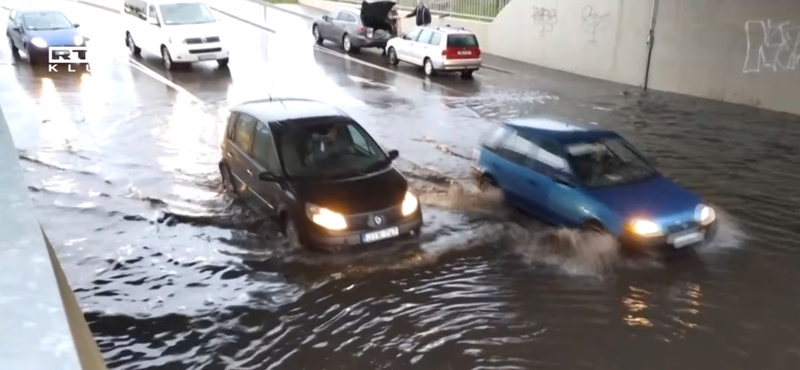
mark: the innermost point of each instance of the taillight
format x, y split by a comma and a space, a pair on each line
361, 30
444, 54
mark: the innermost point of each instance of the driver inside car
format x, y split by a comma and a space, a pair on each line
326, 145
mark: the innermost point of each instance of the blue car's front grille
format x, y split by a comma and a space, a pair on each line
675, 227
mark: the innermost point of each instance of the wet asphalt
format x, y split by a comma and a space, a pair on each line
174, 274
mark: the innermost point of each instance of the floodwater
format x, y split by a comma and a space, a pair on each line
174, 274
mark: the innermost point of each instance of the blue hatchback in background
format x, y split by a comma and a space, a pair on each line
582, 176
35, 31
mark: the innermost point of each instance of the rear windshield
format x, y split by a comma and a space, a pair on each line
461, 40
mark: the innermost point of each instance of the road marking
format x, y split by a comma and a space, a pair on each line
158, 77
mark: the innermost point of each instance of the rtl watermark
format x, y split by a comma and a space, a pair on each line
74, 57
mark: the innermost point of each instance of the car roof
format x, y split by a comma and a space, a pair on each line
163, 2
287, 109
449, 29
558, 130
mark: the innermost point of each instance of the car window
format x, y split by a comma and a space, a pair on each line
517, 149
549, 154
413, 34
152, 12
243, 133
264, 149
359, 140
346, 17
328, 150
45, 21
136, 8
461, 40
12, 15
425, 36
436, 39
186, 13
608, 162
494, 136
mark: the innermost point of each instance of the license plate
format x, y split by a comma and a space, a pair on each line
208, 57
380, 235
684, 239
464, 52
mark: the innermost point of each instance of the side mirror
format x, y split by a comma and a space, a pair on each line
325, 18
153, 21
563, 179
17, 29
76, 25
393, 154
266, 176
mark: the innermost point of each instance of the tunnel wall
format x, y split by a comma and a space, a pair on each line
740, 51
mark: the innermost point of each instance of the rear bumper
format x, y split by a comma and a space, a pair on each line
458, 64
365, 42
633, 241
333, 240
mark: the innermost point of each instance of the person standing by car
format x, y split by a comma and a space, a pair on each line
422, 13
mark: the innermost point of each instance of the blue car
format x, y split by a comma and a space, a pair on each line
35, 31
581, 176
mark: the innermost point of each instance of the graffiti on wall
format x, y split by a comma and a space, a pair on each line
771, 46
546, 18
592, 21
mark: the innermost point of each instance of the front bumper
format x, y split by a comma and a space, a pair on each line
458, 64
630, 240
320, 238
183, 53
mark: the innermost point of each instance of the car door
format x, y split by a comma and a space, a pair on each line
238, 152
516, 176
264, 158
434, 47
563, 199
421, 46
152, 33
404, 49
326, 26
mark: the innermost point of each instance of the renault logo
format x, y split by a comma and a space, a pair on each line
378, 220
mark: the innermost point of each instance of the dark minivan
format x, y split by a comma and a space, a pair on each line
314, 169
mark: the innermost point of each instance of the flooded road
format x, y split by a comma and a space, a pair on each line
173, 274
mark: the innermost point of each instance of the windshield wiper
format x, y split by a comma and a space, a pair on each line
376, 166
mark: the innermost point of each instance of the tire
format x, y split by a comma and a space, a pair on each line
167, 58
393, 57
347, 44
14, 48
428, 67
467, 74
135, 50
223, 63
227, 179
317, 36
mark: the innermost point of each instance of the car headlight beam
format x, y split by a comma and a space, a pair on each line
39, 42
325, 217
78, 40
646, 228
704, 214
410, 204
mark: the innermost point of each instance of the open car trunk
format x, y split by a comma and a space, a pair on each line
375, 15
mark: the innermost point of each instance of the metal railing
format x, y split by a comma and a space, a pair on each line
485, 10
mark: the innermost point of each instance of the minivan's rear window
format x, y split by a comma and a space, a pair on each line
461, 40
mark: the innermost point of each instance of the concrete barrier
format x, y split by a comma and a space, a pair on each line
41, 324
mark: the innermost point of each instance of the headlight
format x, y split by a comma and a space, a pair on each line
78, 40
645, 228
410, 204
39, 42
325, 217
704, 214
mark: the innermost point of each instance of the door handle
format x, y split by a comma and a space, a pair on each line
250, 172
229, 154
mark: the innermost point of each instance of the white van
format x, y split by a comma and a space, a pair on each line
179, 31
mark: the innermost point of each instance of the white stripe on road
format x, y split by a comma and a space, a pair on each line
162, 79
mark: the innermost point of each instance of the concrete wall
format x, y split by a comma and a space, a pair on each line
598, 38
739, 51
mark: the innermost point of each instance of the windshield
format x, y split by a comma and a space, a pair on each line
186, 13
46, 21
608, 162
331, 150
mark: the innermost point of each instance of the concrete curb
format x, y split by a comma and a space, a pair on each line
306, 16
